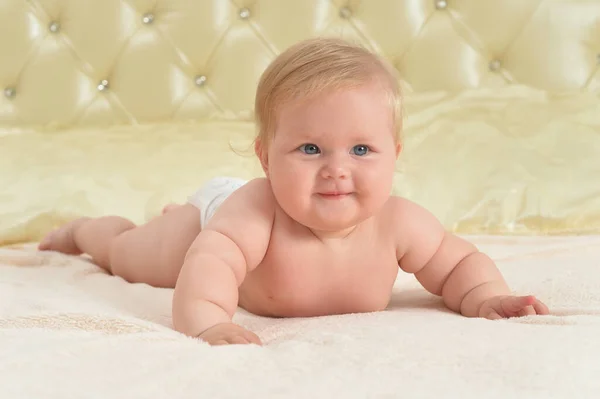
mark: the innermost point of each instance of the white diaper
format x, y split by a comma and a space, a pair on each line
210, 196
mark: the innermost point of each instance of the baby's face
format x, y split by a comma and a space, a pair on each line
331, 162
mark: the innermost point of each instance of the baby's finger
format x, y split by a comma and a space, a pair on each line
513, 305
541, 308
252, 338
493, 316
238, 339
527, 311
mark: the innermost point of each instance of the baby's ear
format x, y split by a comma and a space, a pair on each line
398, 149
261, 153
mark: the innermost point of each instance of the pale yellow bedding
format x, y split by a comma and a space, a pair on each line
67, 329
510, 160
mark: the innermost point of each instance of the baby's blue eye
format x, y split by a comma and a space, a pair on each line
310, 149
360, 150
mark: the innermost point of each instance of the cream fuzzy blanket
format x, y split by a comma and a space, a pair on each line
68, 330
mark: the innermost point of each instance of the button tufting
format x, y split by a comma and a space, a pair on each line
54, 27
103, 85
244, 13
345, 12
200, 80
495, 65
148, 18
10, 92
441, 4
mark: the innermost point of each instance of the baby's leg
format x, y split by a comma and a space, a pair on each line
152, 253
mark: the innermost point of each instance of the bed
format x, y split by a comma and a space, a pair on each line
118, 107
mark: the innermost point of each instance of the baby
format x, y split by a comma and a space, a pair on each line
320, 234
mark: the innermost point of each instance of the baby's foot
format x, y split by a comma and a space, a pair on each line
62, 239
169, 208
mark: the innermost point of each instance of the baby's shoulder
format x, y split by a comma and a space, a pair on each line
407, 219
257, 191
256, 196
252, 201
400, 210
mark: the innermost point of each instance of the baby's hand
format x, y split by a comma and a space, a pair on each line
512, 306
229, 333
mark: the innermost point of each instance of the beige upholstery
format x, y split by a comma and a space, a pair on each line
117, 106
176, 60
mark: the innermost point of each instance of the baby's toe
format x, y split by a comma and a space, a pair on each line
46, 242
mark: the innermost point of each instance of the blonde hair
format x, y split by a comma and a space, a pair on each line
313, 66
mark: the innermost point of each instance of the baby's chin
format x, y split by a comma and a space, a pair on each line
330, 218
332, 225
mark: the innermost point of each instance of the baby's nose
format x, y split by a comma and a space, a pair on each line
334, 170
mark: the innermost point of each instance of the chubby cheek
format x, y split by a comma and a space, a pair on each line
289, 173
293, 183
376, 183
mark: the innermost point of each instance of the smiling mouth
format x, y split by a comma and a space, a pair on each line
334, 195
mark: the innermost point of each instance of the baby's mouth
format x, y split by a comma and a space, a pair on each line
334, 195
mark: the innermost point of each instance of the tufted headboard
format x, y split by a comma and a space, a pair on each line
133, 61
124, 104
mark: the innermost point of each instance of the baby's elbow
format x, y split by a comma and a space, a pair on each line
430, 283
436, 275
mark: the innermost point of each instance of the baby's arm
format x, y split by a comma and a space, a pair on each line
452, 267
232, 244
